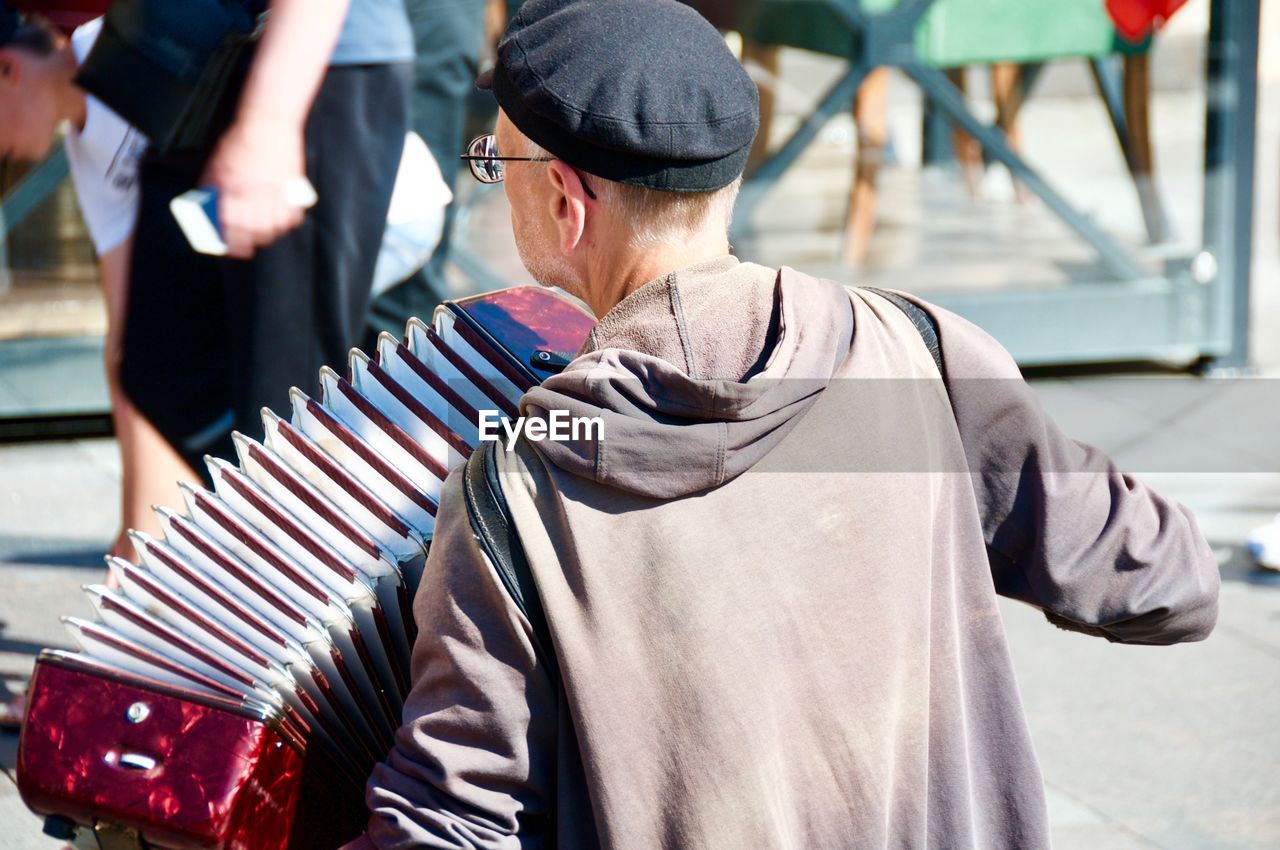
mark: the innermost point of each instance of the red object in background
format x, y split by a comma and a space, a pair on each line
1134, 19
66, 15
217, 780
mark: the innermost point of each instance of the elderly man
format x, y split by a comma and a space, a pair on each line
770, 585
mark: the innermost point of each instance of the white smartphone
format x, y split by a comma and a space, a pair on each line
196, 212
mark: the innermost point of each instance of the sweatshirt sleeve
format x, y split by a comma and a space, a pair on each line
473, 762
1097, 550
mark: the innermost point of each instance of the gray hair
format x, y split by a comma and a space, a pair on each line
34, 34
655, 217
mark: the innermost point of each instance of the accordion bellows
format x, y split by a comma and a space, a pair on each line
267, 635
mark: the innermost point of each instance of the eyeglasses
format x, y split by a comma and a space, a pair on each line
487, 164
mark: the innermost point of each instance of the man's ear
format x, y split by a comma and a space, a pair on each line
11, 69
568, 205
15, 66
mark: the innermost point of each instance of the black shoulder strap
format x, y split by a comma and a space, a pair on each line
924, 323
493, 526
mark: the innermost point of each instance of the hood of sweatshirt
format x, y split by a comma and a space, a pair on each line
696, 376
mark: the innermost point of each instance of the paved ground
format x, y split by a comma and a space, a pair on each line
1141, 748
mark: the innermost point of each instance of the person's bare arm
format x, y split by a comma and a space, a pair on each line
113, 271
262, 151
150, 468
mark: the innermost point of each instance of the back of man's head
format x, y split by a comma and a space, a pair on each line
34, 84
643, 94
31, 33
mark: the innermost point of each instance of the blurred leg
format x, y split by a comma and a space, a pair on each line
761, 61
496, 15
1137, 113
149, 467
968, 151
448, 35
870, 110
151, 470
1006, 90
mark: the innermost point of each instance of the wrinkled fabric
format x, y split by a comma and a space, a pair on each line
771, 630
669, 432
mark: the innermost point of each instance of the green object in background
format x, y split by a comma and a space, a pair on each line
973, 32
952, 32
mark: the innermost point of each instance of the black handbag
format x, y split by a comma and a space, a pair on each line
174, 68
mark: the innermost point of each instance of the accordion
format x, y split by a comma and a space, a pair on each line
238, 686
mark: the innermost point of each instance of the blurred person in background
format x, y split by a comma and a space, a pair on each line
448, 36
215, 339
37, 95
360, 113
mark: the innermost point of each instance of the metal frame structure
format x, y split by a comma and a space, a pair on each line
1197, 309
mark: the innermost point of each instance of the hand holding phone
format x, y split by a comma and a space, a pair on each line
196, 212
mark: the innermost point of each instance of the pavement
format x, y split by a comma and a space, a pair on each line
1141, 747
1175, 748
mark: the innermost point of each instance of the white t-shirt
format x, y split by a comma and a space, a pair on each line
415, 219
104, 161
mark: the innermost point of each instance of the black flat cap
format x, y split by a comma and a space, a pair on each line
638, 91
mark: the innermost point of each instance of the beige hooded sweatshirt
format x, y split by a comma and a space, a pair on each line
772, 587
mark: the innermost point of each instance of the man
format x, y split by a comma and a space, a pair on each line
214, 340
771, 584
38, 94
